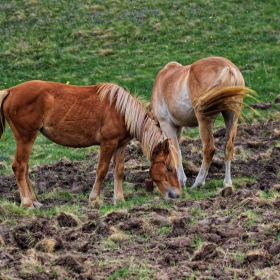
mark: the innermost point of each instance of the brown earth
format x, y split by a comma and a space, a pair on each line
237, 237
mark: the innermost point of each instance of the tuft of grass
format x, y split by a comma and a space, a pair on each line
56, 210
209, 189
117, 235
46, 245
130, 268
9, 211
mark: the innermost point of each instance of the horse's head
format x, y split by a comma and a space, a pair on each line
164, 161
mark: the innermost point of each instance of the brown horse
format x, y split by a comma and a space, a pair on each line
194, 95
82, 116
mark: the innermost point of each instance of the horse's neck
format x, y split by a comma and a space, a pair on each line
137, 121
145, 130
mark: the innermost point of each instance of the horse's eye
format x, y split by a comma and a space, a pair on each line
169, 169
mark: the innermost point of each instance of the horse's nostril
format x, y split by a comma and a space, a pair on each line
173, 194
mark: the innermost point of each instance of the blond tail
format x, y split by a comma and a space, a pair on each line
214, 101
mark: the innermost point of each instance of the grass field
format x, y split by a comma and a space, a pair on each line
128, 42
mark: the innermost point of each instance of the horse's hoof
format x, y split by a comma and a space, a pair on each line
37, 204
227, 185
118, 201
27, 203
95, 203
28, 207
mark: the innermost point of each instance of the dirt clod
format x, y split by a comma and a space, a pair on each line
70, 262
205, 251
149, 185
227, 191
274, 249
258, 258
67, 220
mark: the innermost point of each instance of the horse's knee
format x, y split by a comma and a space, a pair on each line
229, 150
18, 169
208, 154
15, 166
100, 174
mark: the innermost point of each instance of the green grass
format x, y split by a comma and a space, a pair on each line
136, 271
10, 212
128, 42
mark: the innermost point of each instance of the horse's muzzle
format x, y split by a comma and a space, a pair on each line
172, 193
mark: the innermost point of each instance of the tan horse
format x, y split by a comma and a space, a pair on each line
194, 95
82, 116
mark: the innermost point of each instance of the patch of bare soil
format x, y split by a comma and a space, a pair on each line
237, 238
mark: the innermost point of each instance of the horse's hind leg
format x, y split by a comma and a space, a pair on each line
118, 162
36, 203
231, 129
20, 168
107, 150
206, 134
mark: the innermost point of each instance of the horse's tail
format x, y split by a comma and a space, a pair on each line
3, 95
225, 94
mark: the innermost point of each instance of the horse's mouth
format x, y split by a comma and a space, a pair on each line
172, 193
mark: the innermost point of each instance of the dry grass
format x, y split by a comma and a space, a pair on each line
2, 242
106, 52
46, 245
117, 235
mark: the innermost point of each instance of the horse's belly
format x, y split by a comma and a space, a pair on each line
76, 136
183, 116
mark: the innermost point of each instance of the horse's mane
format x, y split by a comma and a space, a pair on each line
138, 123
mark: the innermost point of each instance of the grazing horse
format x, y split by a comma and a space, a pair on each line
82, 116
194, 95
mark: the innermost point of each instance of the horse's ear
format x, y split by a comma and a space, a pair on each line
165, 146
156, 151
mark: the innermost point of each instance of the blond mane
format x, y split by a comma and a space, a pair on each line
137, 121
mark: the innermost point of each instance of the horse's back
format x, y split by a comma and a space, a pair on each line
66, 114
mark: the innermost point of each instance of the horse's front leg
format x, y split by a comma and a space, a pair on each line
118, 162
206, 134
107, 149
175, 134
